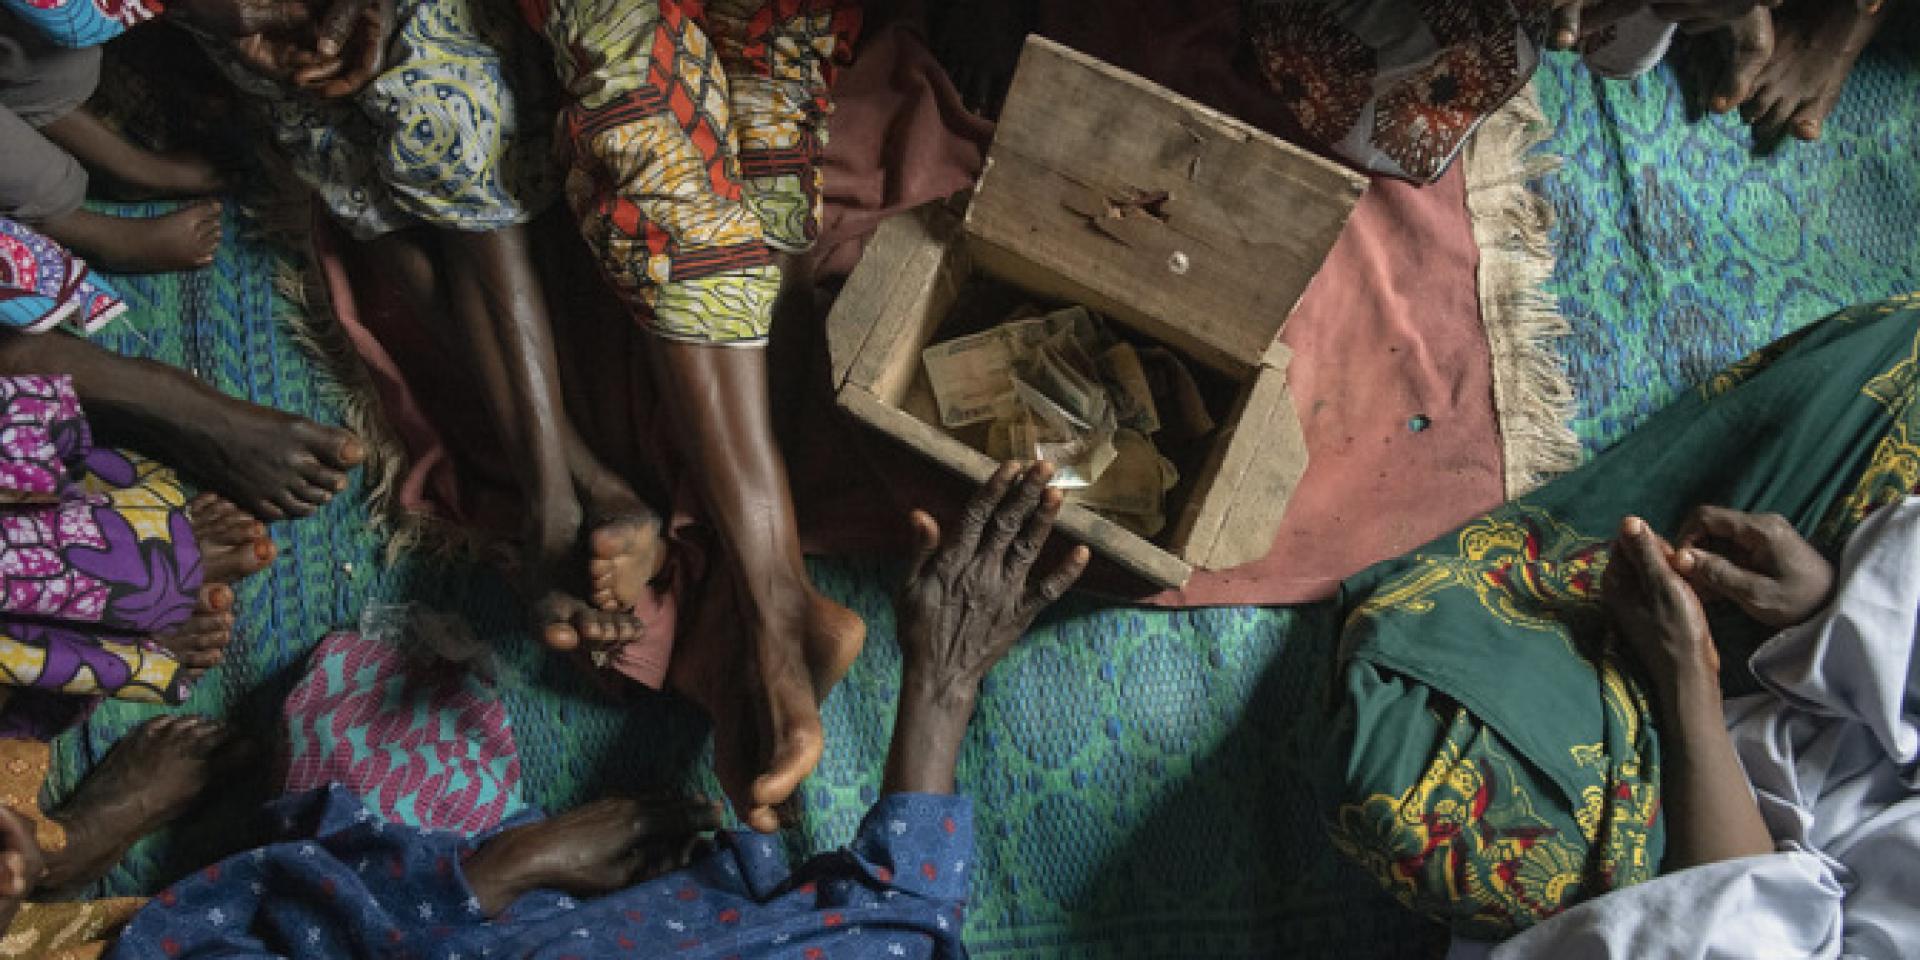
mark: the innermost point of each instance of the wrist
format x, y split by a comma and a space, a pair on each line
1684, 686
936, 692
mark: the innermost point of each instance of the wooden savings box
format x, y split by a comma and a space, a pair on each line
1180, 223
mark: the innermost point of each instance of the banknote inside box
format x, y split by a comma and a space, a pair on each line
1120, 238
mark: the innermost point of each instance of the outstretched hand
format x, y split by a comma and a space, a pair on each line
1756, 560
968, 599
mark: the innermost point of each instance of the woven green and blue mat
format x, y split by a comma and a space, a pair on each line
1135, 769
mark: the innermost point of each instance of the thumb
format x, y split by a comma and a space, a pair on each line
926, 539
278, 16
1711, 571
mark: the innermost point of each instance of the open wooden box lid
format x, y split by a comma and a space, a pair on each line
1104, 189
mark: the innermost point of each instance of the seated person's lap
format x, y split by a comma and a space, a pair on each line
1491, 803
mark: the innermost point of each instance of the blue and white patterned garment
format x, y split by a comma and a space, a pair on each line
346, 884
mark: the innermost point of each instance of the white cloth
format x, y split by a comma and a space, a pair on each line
1833, 750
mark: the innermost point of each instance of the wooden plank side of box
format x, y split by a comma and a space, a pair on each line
1209, 228
891, 295
1250, 483
1103, 536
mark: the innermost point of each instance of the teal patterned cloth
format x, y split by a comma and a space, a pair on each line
1680, 251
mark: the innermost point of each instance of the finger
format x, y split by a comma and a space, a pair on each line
1653, 558
13, 875
1750, 530
1752, 48
1012, 515
372, 50
338, 25
15, 836
973, 519
679, 817
1039, 527
1056, 584
276, 16
314, 73
1715, 573
1566, 26
926, 540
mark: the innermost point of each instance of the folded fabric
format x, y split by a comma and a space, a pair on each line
423, 740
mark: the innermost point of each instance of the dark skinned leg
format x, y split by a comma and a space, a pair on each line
185, 239
151, 777
624, 546
720, 398
102, 149
499, 308
273, 465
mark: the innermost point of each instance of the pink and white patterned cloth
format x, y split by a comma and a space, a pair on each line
424, 742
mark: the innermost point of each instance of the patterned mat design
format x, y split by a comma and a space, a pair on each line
1680, 249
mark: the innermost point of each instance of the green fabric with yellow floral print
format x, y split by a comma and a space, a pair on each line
1499, 764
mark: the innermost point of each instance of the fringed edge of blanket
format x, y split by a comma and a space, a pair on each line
1533, 397
287, 217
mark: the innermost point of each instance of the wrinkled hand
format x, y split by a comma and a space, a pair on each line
1756, 560
341, 54
243, 18
1652, 609
1702, 16
967, 600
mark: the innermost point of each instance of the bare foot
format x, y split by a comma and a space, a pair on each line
148, 174
979, 43
625, 548
761, 695
1747, 46
1815, 47
834, 638
233, 545
182, 240
605, 846
200, 644
152, 776
710, 667
569, 623
271, 464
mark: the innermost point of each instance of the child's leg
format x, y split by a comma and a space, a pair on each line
272, 464
41, 86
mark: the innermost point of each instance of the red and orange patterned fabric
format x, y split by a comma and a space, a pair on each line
691, 136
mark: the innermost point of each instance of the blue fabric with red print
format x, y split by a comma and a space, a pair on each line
348, 884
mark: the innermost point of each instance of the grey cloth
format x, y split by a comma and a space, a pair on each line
1833, 751
39, 83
